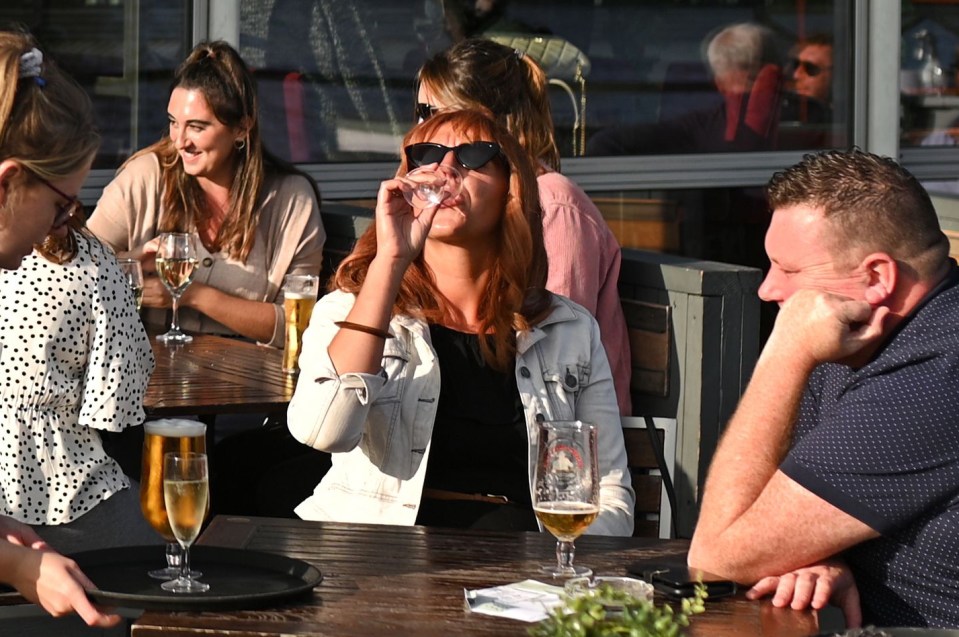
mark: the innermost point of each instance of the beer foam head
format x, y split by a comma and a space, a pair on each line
175, 428
297, 295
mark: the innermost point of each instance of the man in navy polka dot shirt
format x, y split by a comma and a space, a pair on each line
837, 478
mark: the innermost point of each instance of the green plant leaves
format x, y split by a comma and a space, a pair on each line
605, 612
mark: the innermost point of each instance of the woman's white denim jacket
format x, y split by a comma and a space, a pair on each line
378, 426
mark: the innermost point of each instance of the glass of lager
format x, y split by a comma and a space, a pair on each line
159, 438
299, 297
566, 487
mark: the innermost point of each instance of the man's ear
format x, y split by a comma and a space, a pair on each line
882, 275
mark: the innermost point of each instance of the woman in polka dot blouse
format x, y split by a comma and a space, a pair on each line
47, 144
81, 369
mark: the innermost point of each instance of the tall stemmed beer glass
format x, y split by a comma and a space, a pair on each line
159, 438
186, 492
176, 263
566, 488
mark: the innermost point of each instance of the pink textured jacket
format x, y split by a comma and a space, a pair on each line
584, 261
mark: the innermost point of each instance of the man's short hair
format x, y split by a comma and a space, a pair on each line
872, 203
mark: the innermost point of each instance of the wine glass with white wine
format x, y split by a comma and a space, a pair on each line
186, 491
566, 488
176, 262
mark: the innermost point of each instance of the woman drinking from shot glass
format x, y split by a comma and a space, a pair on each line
427, 367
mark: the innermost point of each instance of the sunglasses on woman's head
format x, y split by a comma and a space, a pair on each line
470, 156
65, 211
424, 111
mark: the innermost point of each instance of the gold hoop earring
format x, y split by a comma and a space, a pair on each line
239, 144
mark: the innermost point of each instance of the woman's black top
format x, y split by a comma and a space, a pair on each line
479, 443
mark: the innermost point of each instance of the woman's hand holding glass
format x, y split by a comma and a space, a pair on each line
401, 231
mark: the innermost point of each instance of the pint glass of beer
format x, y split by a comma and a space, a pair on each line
299, 297
159, 437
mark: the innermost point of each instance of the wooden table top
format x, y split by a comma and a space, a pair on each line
217, 375
397, 581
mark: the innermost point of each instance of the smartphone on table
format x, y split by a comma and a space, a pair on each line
676, 580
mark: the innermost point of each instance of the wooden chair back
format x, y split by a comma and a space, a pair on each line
650, 334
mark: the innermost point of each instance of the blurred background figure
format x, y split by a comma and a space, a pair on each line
809, 71
744, 61
807, 99
47, 145
584, 256
807, 104
472, 18
330, 66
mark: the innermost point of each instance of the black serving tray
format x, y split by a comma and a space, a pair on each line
896, 632
238, 578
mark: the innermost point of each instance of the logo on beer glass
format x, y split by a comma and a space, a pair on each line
299, 297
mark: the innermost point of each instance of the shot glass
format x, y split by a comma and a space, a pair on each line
134, 275
299, 297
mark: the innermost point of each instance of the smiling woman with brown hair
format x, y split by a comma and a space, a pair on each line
257, 217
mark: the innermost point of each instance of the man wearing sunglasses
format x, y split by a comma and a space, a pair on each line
807, 102
810, 69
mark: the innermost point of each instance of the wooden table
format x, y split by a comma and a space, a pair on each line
216, 375
398, 581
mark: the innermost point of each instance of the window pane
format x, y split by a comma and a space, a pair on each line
927, 78
122, 53
627, 77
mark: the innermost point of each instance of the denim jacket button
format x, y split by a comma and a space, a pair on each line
540, 417
571, 380
524, 372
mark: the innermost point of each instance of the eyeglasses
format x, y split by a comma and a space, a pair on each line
471, 156
424, 111
809, 68
65, 211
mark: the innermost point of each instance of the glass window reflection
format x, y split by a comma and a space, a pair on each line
336, 78
928, 74
626, 78
122, 53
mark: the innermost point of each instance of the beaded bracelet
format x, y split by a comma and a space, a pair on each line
357, 327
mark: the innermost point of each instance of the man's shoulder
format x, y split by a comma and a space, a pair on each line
936, 322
